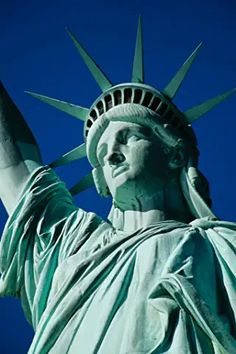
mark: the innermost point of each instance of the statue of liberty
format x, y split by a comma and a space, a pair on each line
158, 276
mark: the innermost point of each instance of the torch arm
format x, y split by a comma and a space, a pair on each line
19, 152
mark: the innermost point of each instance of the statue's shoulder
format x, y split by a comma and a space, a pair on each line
220, 233
212, 223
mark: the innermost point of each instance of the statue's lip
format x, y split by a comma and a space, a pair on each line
117, 170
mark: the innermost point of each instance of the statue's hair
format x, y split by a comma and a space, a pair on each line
171, 137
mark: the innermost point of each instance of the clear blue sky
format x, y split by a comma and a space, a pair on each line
37, 55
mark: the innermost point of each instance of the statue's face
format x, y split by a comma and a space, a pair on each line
133, 161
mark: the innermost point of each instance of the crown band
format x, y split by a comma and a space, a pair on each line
143, 95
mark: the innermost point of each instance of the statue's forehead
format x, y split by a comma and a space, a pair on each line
115, 127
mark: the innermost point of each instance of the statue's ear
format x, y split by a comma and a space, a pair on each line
178, 156
100, 183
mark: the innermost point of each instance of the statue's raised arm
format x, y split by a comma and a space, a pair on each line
19, 152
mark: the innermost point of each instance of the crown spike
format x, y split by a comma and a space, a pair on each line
194, 113
97, 73
138, 72
85, 183
173, 86
69, 108
78, 153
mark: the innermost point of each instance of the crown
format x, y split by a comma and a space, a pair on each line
134, 92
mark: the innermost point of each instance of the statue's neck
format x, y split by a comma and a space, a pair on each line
167, 204
134, 219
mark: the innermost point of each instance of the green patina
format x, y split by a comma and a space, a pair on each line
159, 275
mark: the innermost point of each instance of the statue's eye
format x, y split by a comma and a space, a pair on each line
122, 137
128, 136
133, 138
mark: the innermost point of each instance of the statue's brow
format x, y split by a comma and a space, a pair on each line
145, 131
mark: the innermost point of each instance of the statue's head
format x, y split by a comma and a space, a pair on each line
136, 155
134, 152
124, 113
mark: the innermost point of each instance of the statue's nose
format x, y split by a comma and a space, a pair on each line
115, 158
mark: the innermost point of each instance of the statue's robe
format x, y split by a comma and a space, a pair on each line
88, 288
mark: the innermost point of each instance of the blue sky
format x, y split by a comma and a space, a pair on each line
38, 55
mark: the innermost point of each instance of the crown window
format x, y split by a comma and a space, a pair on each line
147, 99
155, 103
162, 109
